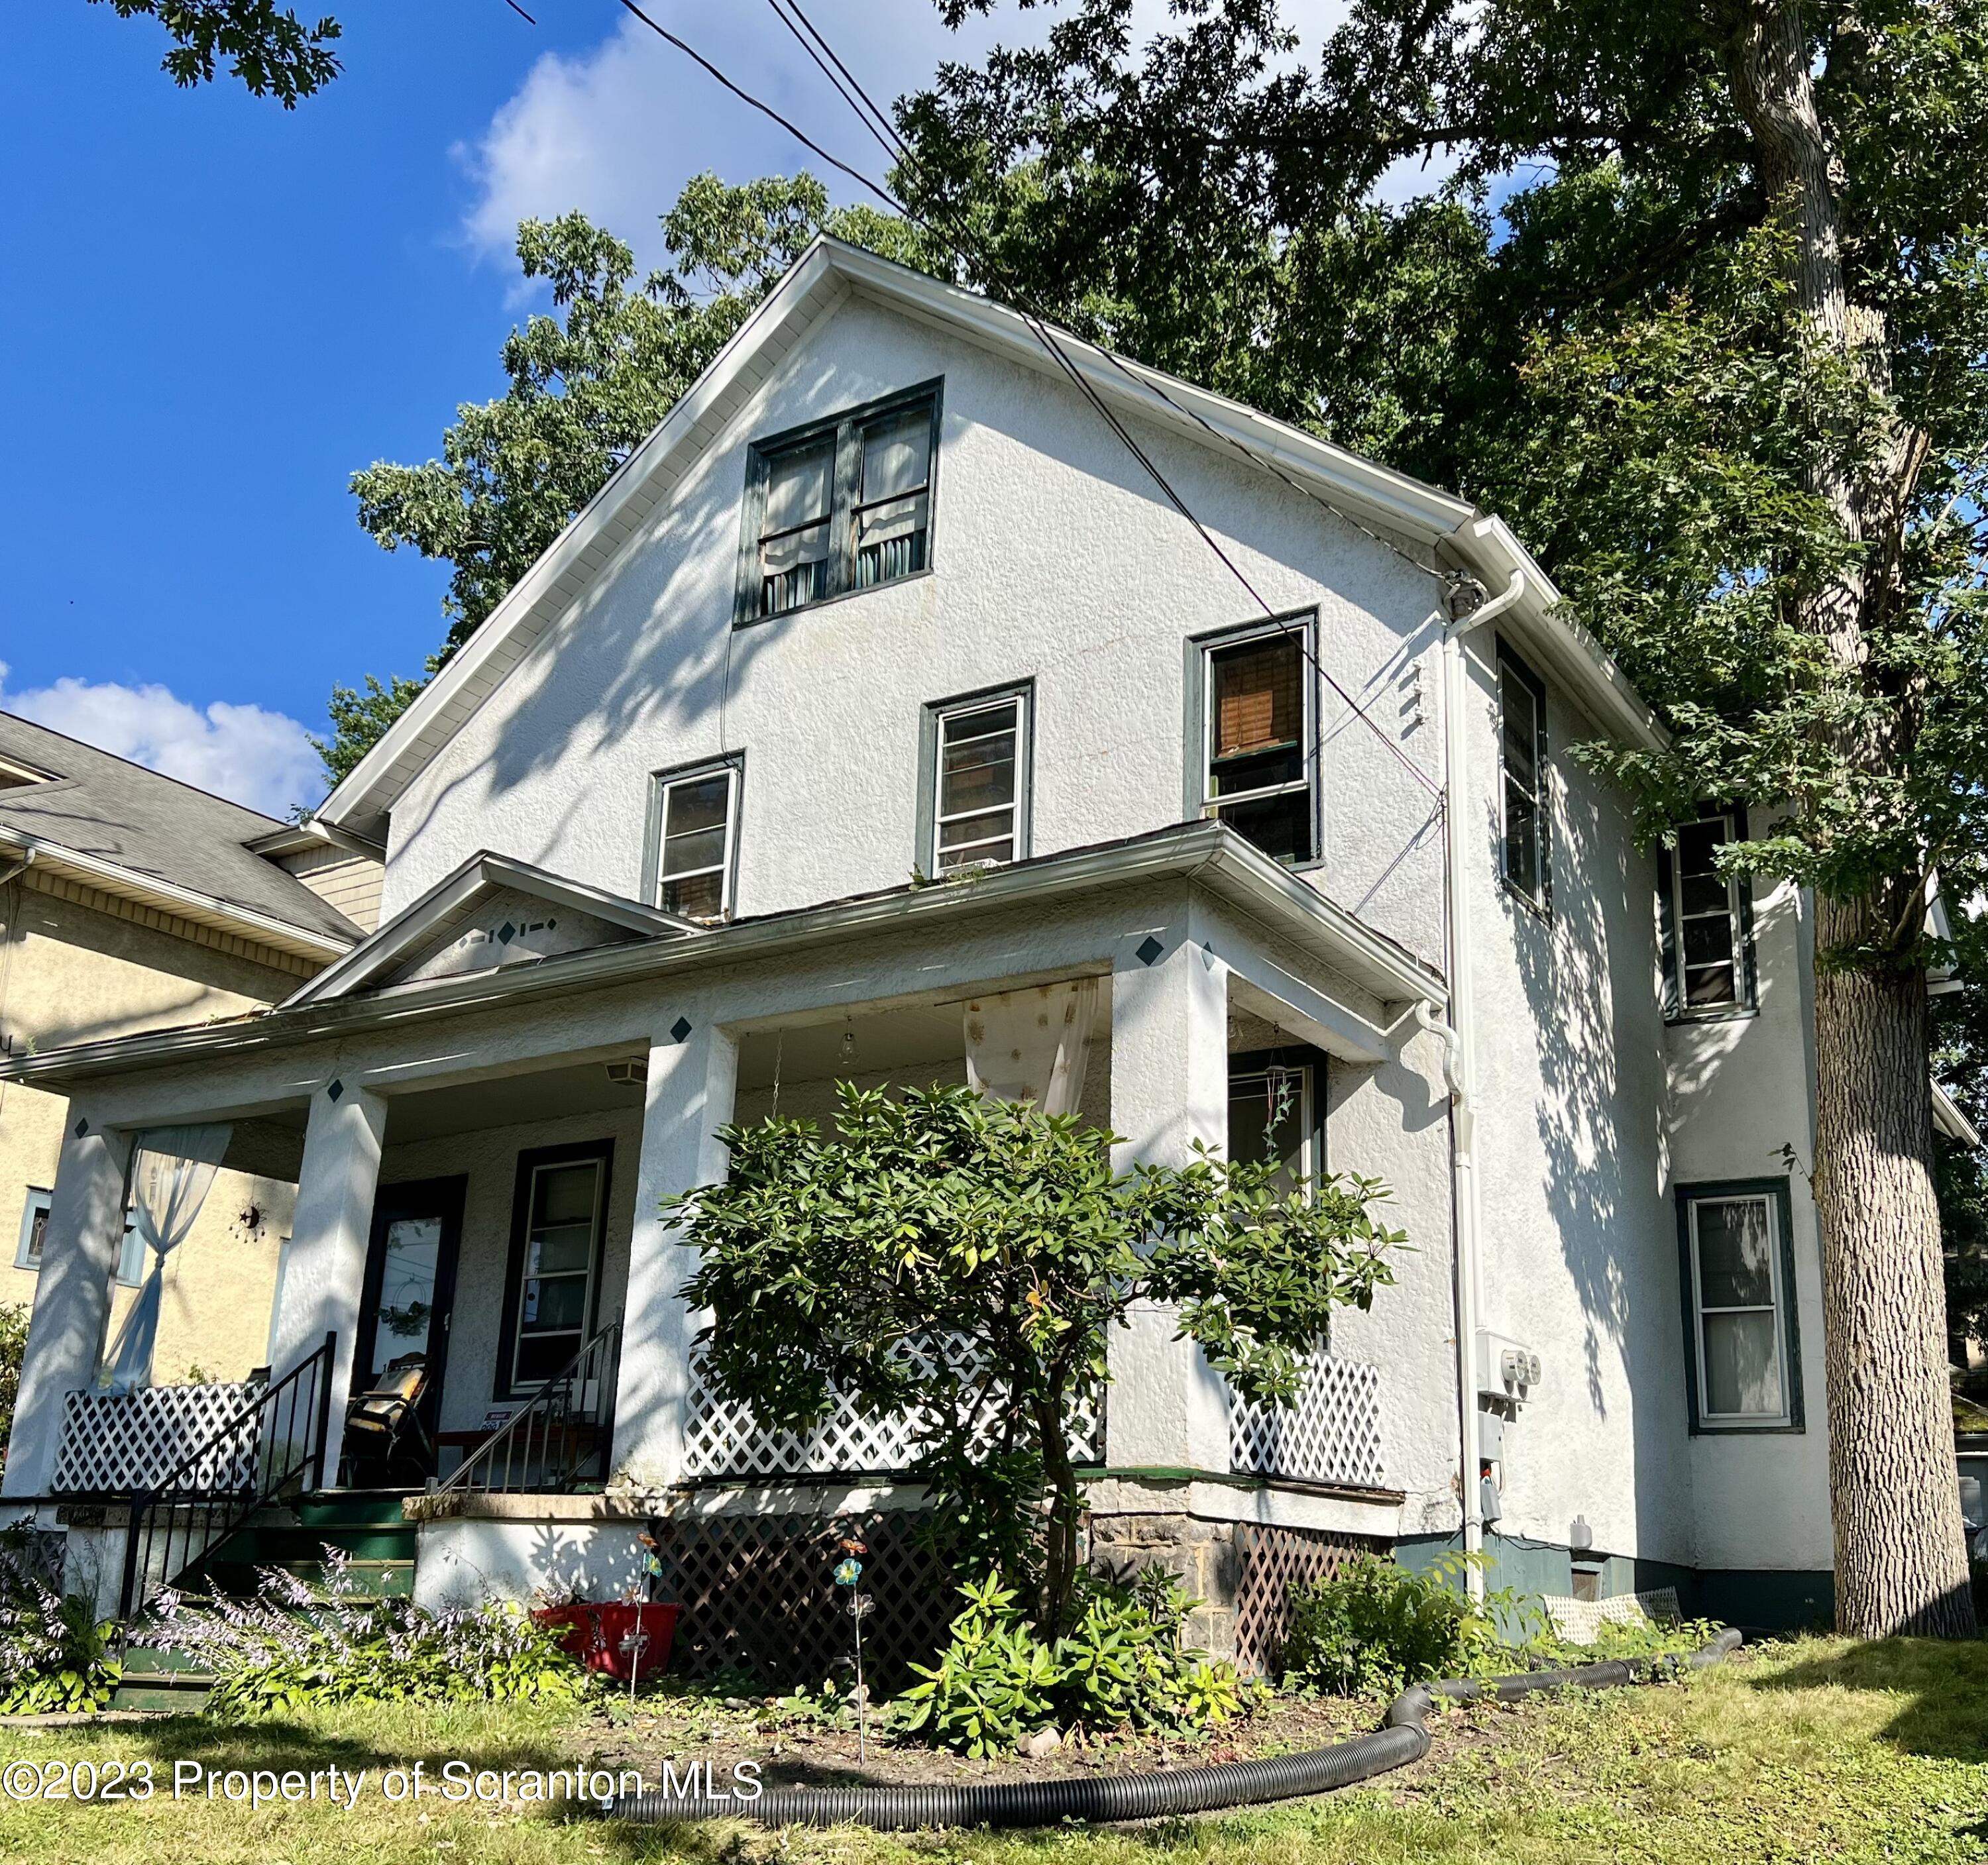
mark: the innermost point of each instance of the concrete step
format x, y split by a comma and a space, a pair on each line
165, 1682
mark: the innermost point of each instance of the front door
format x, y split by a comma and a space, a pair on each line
410, 1285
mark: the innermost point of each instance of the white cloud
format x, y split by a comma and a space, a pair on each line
246, 753
617, 131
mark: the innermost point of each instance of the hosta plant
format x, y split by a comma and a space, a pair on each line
293, 1645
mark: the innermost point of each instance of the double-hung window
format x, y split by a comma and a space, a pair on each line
840, 505
1707, 935
978, 760
558, 1222
692, 859
1521, 738
1257, 750
1737, 1265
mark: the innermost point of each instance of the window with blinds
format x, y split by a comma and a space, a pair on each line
1260, 762
841, 506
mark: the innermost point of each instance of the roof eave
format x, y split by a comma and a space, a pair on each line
1208, 850
167, 897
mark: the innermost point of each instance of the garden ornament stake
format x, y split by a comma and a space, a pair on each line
848, 1572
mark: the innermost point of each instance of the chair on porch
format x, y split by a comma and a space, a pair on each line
385, 1435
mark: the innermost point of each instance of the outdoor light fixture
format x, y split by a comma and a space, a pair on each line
848, 1050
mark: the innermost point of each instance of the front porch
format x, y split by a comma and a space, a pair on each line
481, 1158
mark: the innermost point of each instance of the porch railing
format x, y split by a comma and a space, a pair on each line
723, 1440
1332, 1435
561, 1436
272, 1446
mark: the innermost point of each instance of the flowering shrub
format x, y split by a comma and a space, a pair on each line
293, 1645
54, 1654
1122, 1666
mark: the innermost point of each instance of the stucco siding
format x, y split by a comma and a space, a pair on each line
1741, 1091
1579, 1247
1054, 559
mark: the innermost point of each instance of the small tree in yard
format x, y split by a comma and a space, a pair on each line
964, 1261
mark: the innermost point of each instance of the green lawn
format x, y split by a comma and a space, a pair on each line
1815, 1750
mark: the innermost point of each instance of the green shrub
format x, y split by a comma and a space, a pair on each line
55, 1653
293, 1646
1376, 1627
1122, 1666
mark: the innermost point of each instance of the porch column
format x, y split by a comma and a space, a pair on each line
66, 1334
1168, 1409
693, 1082
326, 1271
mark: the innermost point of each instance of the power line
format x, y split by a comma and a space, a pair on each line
893, 143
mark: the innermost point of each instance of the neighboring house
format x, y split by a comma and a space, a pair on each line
880, 688
130, 902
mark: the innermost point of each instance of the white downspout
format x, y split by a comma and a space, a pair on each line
1459, 1051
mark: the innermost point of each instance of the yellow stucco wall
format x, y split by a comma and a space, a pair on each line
71, 972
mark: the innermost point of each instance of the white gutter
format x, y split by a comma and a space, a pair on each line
1207, 852
206, 910
1459, 1054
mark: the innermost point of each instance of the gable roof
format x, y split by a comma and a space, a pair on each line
116, 826
444, 916
822, 277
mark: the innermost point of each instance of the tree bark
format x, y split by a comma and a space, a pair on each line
1900, 1551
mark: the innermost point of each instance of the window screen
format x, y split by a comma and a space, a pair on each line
1736, 1254
977, 811
1259, 768
698, 815
562, 1249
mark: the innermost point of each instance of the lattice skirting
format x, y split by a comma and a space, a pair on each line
1268, 1561
757, 1595
113, 1445
1331, 1435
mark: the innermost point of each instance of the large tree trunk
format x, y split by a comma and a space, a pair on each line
1901, 1553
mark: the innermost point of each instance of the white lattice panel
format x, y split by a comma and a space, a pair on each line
723, 1438
114, 1444
1331, 1435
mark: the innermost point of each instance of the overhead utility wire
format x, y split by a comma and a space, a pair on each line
1039, 329
892, 142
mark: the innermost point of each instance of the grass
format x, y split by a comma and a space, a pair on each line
1816, 1749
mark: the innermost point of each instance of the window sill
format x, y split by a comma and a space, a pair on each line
1541, 910
1742, 1014
1783, 1429
829, 601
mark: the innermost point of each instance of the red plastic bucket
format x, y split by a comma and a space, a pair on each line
593, 1630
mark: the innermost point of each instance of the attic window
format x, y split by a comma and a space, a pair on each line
693, 840
841, 506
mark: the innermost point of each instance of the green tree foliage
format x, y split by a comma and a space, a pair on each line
587, 384
13, 1348
1702, 307
966, 1262
267, 47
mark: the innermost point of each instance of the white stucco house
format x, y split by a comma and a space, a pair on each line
884, 681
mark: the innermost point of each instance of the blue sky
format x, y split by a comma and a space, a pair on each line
218, 309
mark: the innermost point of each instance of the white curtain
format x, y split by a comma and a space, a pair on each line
1032, 1044
172, 1172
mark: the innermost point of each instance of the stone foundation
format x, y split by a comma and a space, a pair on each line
1200, 1556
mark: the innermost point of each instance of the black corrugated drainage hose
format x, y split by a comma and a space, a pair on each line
1402, 1739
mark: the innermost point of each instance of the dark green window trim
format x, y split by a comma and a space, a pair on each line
503, 1386
846, 428
1749, 1003
1195, 746
1509, 662
652, 829
1777, 1190
924, 857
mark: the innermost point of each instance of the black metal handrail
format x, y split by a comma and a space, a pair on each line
545, 1446
181, 1517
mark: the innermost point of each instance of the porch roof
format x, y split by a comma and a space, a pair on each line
1209, 854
